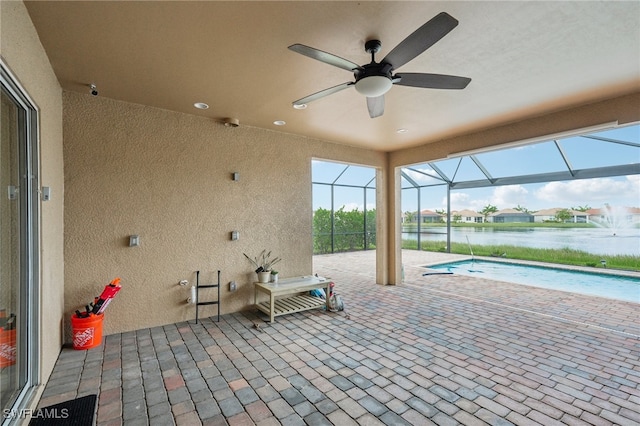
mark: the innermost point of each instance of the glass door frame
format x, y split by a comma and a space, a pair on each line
28, 320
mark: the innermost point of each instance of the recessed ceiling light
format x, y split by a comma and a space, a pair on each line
300, 106
201, 105
279, 122
402, 131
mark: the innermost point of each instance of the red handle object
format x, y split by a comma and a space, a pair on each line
107, 295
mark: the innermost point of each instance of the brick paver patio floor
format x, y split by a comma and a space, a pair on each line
441, 349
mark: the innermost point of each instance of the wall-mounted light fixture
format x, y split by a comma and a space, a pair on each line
235, 176
134, 240
231, 122
46, 193
235, 235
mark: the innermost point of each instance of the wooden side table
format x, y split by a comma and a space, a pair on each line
285, 297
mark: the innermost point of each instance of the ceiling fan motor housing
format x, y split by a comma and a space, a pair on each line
372, 46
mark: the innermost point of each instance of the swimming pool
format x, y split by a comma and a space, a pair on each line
596, 284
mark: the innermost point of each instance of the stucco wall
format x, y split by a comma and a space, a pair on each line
165, 176
21, 50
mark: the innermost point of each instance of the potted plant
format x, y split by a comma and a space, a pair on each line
263, 263
274, 276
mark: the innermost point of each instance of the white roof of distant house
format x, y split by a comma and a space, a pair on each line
429, 213
554, 210
510, 212
604, 210
466, 213
547, 212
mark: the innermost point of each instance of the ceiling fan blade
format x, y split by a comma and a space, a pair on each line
432, 81
323, 93
375, 106
327, 58
421, 39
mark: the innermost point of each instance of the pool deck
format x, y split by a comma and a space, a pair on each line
441, 349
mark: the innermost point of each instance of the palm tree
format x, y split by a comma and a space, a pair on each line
487, 210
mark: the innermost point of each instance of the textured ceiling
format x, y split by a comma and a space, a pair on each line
524, 59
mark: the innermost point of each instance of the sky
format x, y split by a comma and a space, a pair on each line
593, 193
541, 157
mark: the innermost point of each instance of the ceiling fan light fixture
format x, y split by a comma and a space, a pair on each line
373, 86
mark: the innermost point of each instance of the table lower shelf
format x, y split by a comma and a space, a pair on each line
292, 304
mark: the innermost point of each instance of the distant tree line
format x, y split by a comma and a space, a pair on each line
348, 230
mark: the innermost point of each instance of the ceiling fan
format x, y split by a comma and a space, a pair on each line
376, 78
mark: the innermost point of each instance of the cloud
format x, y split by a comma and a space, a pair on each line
459, 201
619, 191
464, 201
634, 180
592, 191
505, 197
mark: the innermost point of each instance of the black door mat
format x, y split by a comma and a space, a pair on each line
76, 412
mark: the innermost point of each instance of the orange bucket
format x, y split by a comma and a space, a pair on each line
87, 332
7, 347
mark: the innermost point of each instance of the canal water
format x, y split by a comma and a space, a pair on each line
603, 241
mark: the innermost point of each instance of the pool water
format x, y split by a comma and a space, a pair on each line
595, 284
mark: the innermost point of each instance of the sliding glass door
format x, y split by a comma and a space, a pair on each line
18, 246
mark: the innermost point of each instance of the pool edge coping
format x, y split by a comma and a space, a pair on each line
586, 269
